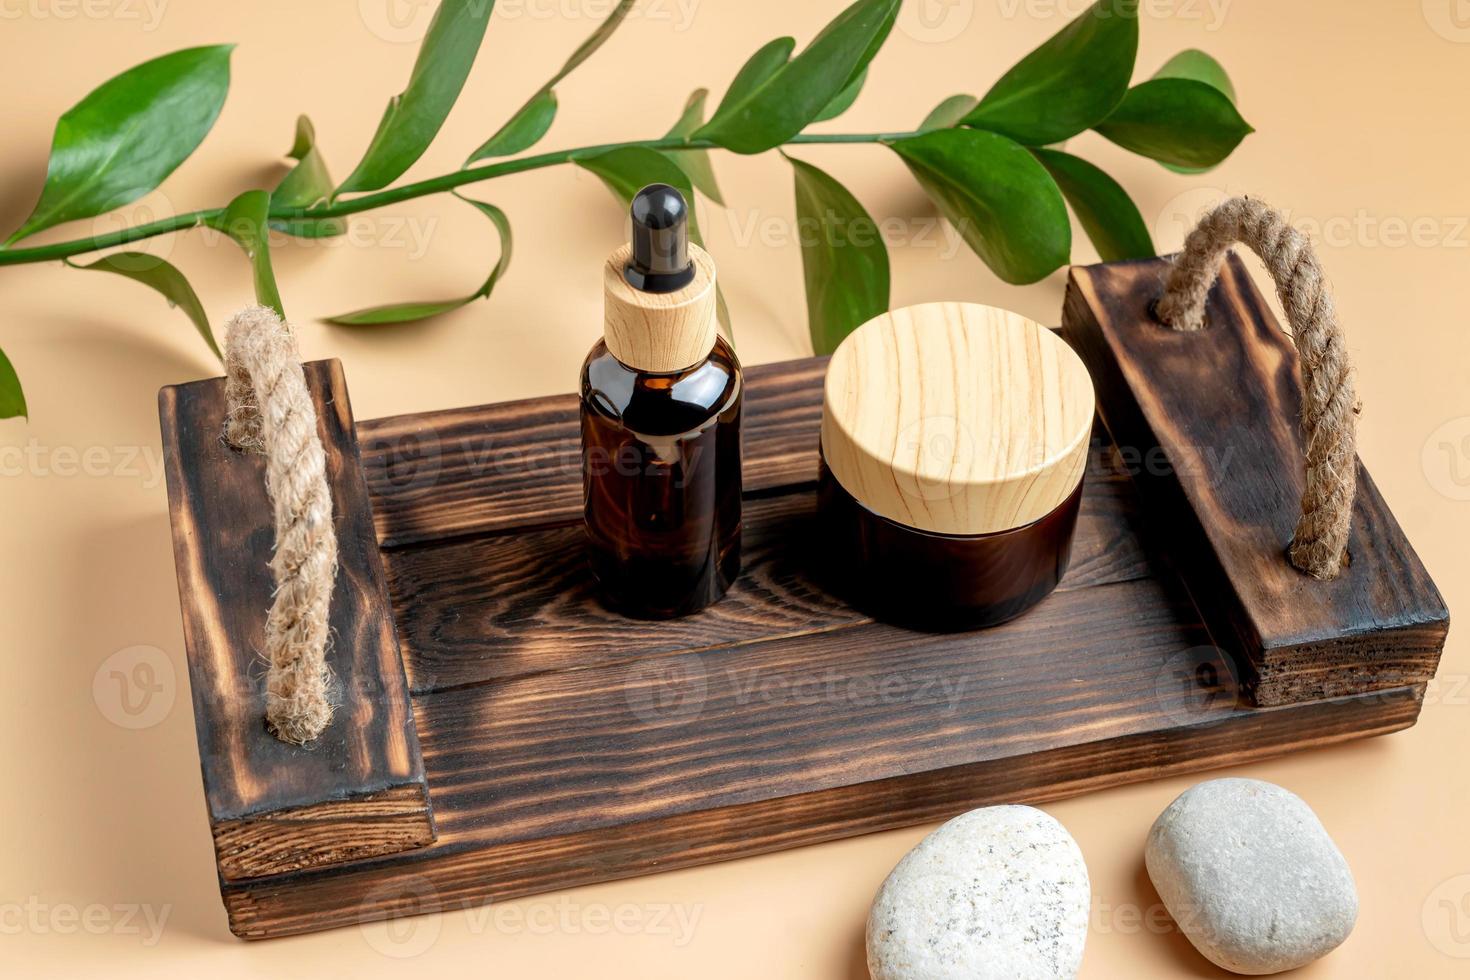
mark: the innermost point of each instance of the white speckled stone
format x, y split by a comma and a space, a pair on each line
999, 893
1251, 876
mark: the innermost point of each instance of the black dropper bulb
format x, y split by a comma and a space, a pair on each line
659, 262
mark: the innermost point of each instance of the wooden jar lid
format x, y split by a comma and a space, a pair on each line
662, 333
957, 418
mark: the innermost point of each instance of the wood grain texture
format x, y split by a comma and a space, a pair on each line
491, 468
659, 332
495, 606
358, 791
1222, 406
475, 872
956, 418
564, 746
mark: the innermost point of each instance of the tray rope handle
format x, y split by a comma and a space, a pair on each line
1329, 400
270, 411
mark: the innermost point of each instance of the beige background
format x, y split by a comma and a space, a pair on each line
1362, 132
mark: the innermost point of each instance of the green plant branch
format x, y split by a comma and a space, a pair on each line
393, 195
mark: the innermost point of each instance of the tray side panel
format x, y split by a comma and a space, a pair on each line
1217, 412
358, 790
465, 879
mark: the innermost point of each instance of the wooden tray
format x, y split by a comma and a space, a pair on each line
502, 735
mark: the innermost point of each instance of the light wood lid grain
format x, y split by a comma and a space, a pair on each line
659, 332
957, 418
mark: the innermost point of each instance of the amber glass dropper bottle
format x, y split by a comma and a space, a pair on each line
660, 398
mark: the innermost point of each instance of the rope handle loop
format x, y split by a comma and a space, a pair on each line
270, 411
1329, 399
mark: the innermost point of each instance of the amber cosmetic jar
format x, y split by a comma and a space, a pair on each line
954, 440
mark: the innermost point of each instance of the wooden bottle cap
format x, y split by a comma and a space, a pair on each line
957, 418
659, 332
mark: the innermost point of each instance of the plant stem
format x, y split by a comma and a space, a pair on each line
393, 195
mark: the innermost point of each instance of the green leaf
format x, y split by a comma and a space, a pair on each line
1177, 120
695, 163
408, 312
598, 37
628, 169
843, 258
770, 58
128, 134
159, 275
844, 99
1195, 64
12, 397
1068, 84
762, 112
528, 125
413, 117
722, 313
533, 119
305, 185
310, 227
308, 182
948, 113
997, 196
245, 220
1106, 212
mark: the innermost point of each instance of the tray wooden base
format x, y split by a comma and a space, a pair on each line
562, 745
565, 745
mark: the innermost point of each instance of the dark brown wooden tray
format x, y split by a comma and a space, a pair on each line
501, 734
